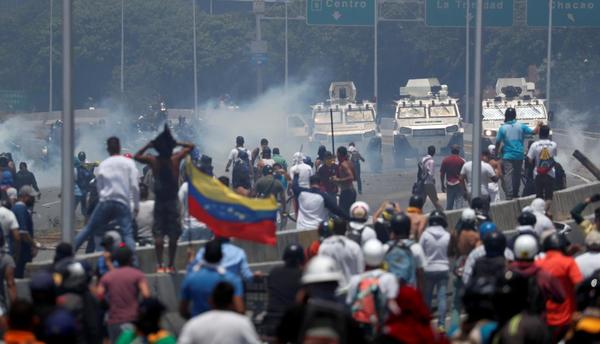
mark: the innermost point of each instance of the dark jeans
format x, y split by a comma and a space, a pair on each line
347, 197
454, 196
512, 170
104, 213
358, 180
544, 187
83, 201
436, 282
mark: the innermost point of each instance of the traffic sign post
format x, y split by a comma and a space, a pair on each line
452, 13
340, 12
565, 13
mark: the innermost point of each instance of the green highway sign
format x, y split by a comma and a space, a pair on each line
452, 13
340, 12
574, 13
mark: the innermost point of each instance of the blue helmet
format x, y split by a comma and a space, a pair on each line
486, 228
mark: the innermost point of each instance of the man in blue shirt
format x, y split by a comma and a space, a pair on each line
510, 142
234, 260
198, 285
22, 210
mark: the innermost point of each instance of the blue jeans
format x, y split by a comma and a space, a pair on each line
104, 213
454, 196
437, 280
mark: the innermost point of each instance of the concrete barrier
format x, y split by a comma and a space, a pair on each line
565, 200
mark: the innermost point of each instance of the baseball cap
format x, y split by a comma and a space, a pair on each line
27, 190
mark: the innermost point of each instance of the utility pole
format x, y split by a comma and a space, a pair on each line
476, 178
67, 174
549, 55
259, 71
375, 55
467, 61
195, 61
50, 52
122, 48
285, 79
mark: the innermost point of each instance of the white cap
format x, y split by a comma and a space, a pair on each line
374, 252
526, 247
321, 269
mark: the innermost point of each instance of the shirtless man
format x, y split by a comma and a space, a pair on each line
165, 168
345, 180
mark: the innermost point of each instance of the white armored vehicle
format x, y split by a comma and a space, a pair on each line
515, 93
425, 116
353, 121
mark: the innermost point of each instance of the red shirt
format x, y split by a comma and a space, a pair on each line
451, 166
566, 271
122, 291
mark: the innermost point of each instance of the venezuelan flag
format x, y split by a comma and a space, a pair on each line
228, 214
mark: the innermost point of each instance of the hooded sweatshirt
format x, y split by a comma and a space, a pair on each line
435, 242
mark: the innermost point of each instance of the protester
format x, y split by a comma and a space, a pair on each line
239, 157
356, 158
26, 177
541, 155
268, 186
493, 264
587, 225
487, 176
120, 289
302, 169
279, 159
358, 229
110, 242
589, 261
199, 283
84, 173
21, 322
564, 268
222, 324
321, 157
371, 294
314, 205
165, 167
510, 145
543, 223
257, 155
405, 258
8, 294
346, 253
283, 283
450, 178
9, 225
234, 260
479, 325
426, 177
418, 221
319, 316
345, 180
192, 228
27, 246
327, 171
147, 325
117, 183
144, 218
586, 328
43, 295
494, 186
435, 241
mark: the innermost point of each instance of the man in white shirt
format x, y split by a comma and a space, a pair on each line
237, 153
117, 184
589, 262
144, 218
192, 228
541, 155
488, 175
314, 205
221, 324
427, 169
346, 253
303, 170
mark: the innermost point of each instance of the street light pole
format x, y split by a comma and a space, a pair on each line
122, 46
285, 81
549, 54
476, 155
375, 57
259, 76
67, 205
467, 62
195, 61
50, 71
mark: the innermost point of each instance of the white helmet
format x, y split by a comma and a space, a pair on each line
298, 158
359, 210
539, 206
321, 269
492, 149
526, 247
468, 214
374, 252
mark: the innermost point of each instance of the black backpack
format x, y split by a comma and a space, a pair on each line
323, 320
241, 166
84, 177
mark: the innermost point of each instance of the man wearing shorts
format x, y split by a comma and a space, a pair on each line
165, 168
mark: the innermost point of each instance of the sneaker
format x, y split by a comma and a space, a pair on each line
171, 270
161, 269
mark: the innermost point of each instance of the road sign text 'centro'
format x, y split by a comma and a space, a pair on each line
340, 12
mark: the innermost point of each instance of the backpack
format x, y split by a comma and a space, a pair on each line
560, 178
545, 161
323, 322
422, 174
241, 166
369, 304
401, 261
84, 177
355, 235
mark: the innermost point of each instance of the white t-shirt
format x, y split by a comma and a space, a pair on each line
188, 221
346, 253
429, 165
588, 263
117, 180
487, 173
8, 221
388, 284
304, 172
536, 149
145, 219
218, 327
233, 155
